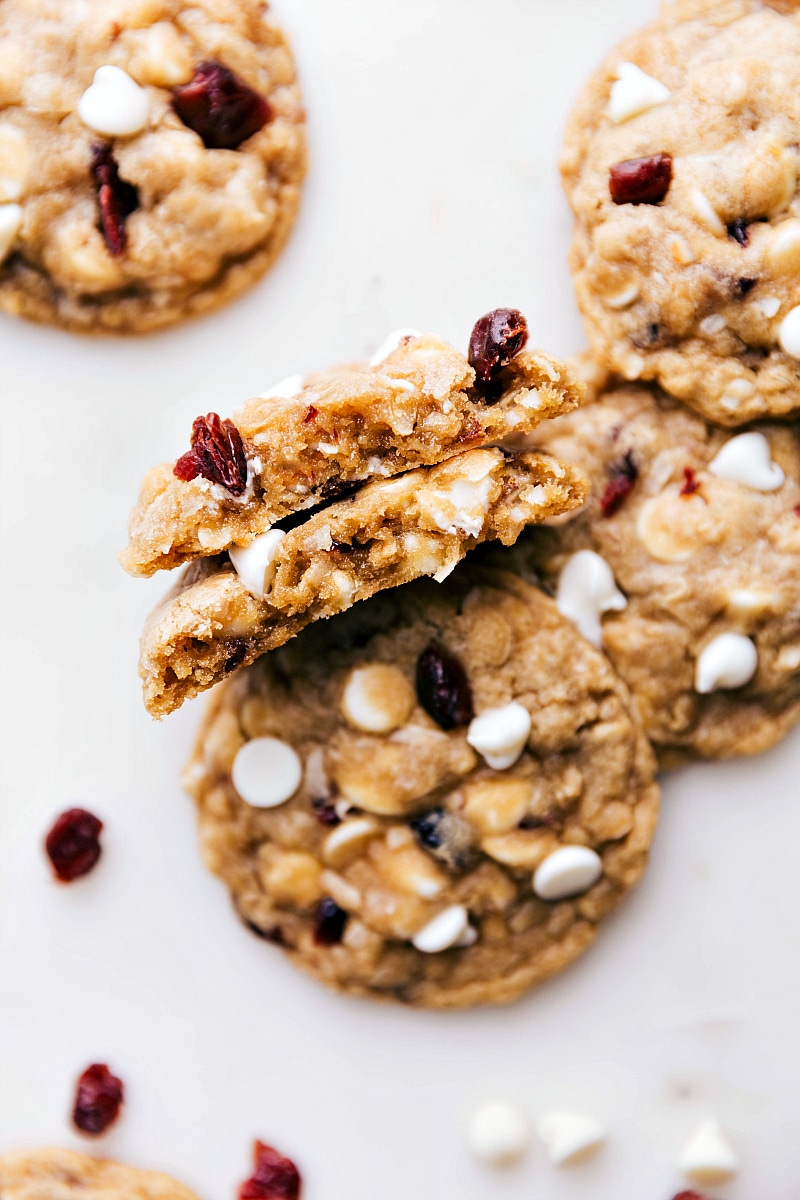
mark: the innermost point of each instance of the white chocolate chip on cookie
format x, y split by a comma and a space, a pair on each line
747, 459
114, 105
377, 698
587, 589
634, 92
500, 734
14, 162
266, 772
348, 840
730, 661
789, 333
443, 931
255, 564
10, 225
568, 871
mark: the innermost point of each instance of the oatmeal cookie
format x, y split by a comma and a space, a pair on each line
681, 164
696, 590
151, 156
229, 609
304, 443
67, 1175
434, 798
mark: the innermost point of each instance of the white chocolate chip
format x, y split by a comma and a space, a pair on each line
730, 661
255, 564
586, 589
570, 1137
705, 212
160, 56
789, 333
266, 772
114, 105
770, 306
747, 459
624, 297
444, 931
468, 938
499, 1133
783, 252
14, 162
712, 325
634, 92
391, 343
347, 841
500, 734
568, 871
10, 225
707, 1156
377, 698
286, 389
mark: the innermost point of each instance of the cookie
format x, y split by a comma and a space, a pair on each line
434, 798
681, 164
151, 157
67, 1175
302, 444
695, 594
229, 609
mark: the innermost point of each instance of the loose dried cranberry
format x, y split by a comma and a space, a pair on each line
329, 922
220, 106
641, 180
116, 198
217, 454
275, 1177
235, 651
97, 1099
689, 1196
495, 339
691, 483
73, 844
443, 688
324, 811
622, 482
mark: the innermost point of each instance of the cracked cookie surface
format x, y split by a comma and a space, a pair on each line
55, 1174
690, 274
127, 232
396, 863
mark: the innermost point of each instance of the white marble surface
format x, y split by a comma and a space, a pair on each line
433, 196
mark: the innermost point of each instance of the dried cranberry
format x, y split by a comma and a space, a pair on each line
311, 414
324, 811
744, 285
443, 688
689, 1196
97, 1099
116, 198
641, 180
274, 1177
495, 339
738, 231
624, 474
217, 454
220, 106
73, 844
329, 922
235, 651
446, 836
691, 483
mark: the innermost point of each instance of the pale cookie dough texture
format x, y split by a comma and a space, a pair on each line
402, 866
699, 290
82, 248
700, 530
67, 1175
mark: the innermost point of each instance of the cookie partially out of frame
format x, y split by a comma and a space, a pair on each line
159, 188
434, 798
55, 1174
681, 164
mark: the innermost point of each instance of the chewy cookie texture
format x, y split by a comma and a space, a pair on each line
681, 164
66, 1175
434, 798
151, 156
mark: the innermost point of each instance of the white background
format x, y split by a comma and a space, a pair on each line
433, 196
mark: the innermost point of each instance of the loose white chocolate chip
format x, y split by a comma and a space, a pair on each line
789, 333
568, 871
377, 698
444, 931
266, 772
499, 1133
255, 564
10, 225
707, 1156
391, 343
586, 589
634, 92
286, 389
570, 1137
114, 105
347, 841
14, 162
500, 734
730, 661
747, 459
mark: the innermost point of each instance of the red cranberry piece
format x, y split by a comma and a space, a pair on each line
691, 483
495, 339
73, 844
689, 1196
116, 198
311, 414
443, 688
329, 922
622, 482
217, 454
641, 180
743, 286
275, 1177
235, 650
97, 1099
738, 231
324, 811
220, 106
